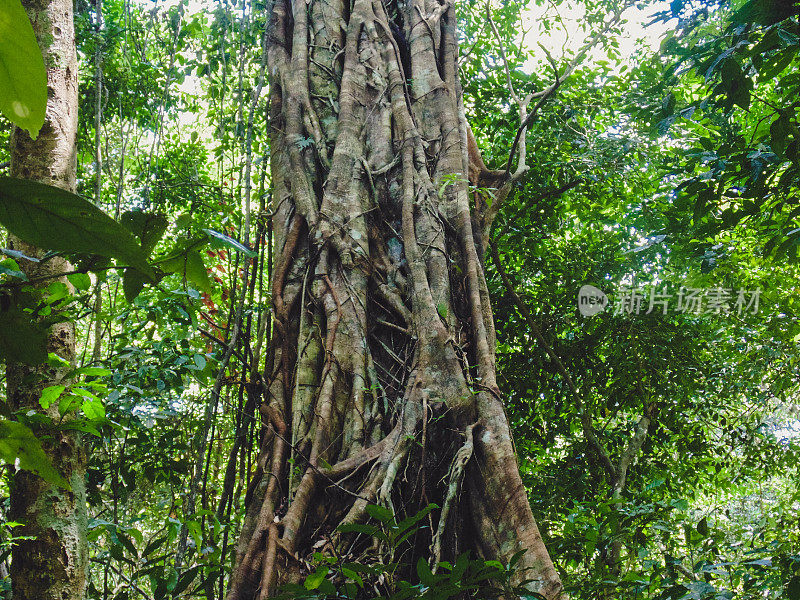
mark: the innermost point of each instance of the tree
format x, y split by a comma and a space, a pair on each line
733, 90
51, 560
380, 384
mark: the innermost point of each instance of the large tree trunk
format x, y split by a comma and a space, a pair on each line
52, 565
382, 373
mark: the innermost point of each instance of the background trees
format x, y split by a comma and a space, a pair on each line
694, 141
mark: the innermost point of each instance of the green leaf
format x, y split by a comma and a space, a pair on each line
779, 131
361, 568
183, 221
441, 308
165, 585
50, 395
128, 543
424, 572
764, 12
196, 272
668, 104
414, 519
316, 578
91, 372
23, 78
350, 574
55, 219
133, 282
81, 281
148, 227
515, 559
702, 527
185, 580
56, 362
153, 546
759, 562
381, 513
191, 266
737, 85
18, 442
68, 403
56, 291
94, 410
230, 242
172, 579
84, 393
462, 562
370, 530
10, 267
774, 65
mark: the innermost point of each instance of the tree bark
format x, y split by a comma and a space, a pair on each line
382, 362
52, 565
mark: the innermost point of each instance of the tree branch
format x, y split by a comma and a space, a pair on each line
546, 93
630, 452
543, 196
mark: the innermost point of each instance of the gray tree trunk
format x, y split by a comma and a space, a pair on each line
52, 565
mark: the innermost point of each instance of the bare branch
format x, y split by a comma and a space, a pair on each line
501, 49
545, 94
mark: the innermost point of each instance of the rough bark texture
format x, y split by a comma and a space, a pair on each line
52, 565
380, 385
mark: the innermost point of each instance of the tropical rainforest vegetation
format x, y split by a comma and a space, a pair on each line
399, 299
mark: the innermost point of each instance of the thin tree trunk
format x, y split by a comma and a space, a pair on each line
381, 384
52, 565
97, 349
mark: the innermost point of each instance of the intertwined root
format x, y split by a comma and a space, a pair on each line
380, 385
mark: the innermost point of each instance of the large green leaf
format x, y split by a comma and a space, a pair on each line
381, 513
23, 79
764, 12
314, 580
18, 443
133, 283
148, 227
191, 266
55, 219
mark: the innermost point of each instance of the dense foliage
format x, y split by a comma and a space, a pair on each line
658, 440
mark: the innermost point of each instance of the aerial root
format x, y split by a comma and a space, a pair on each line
269, 574
456, 475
